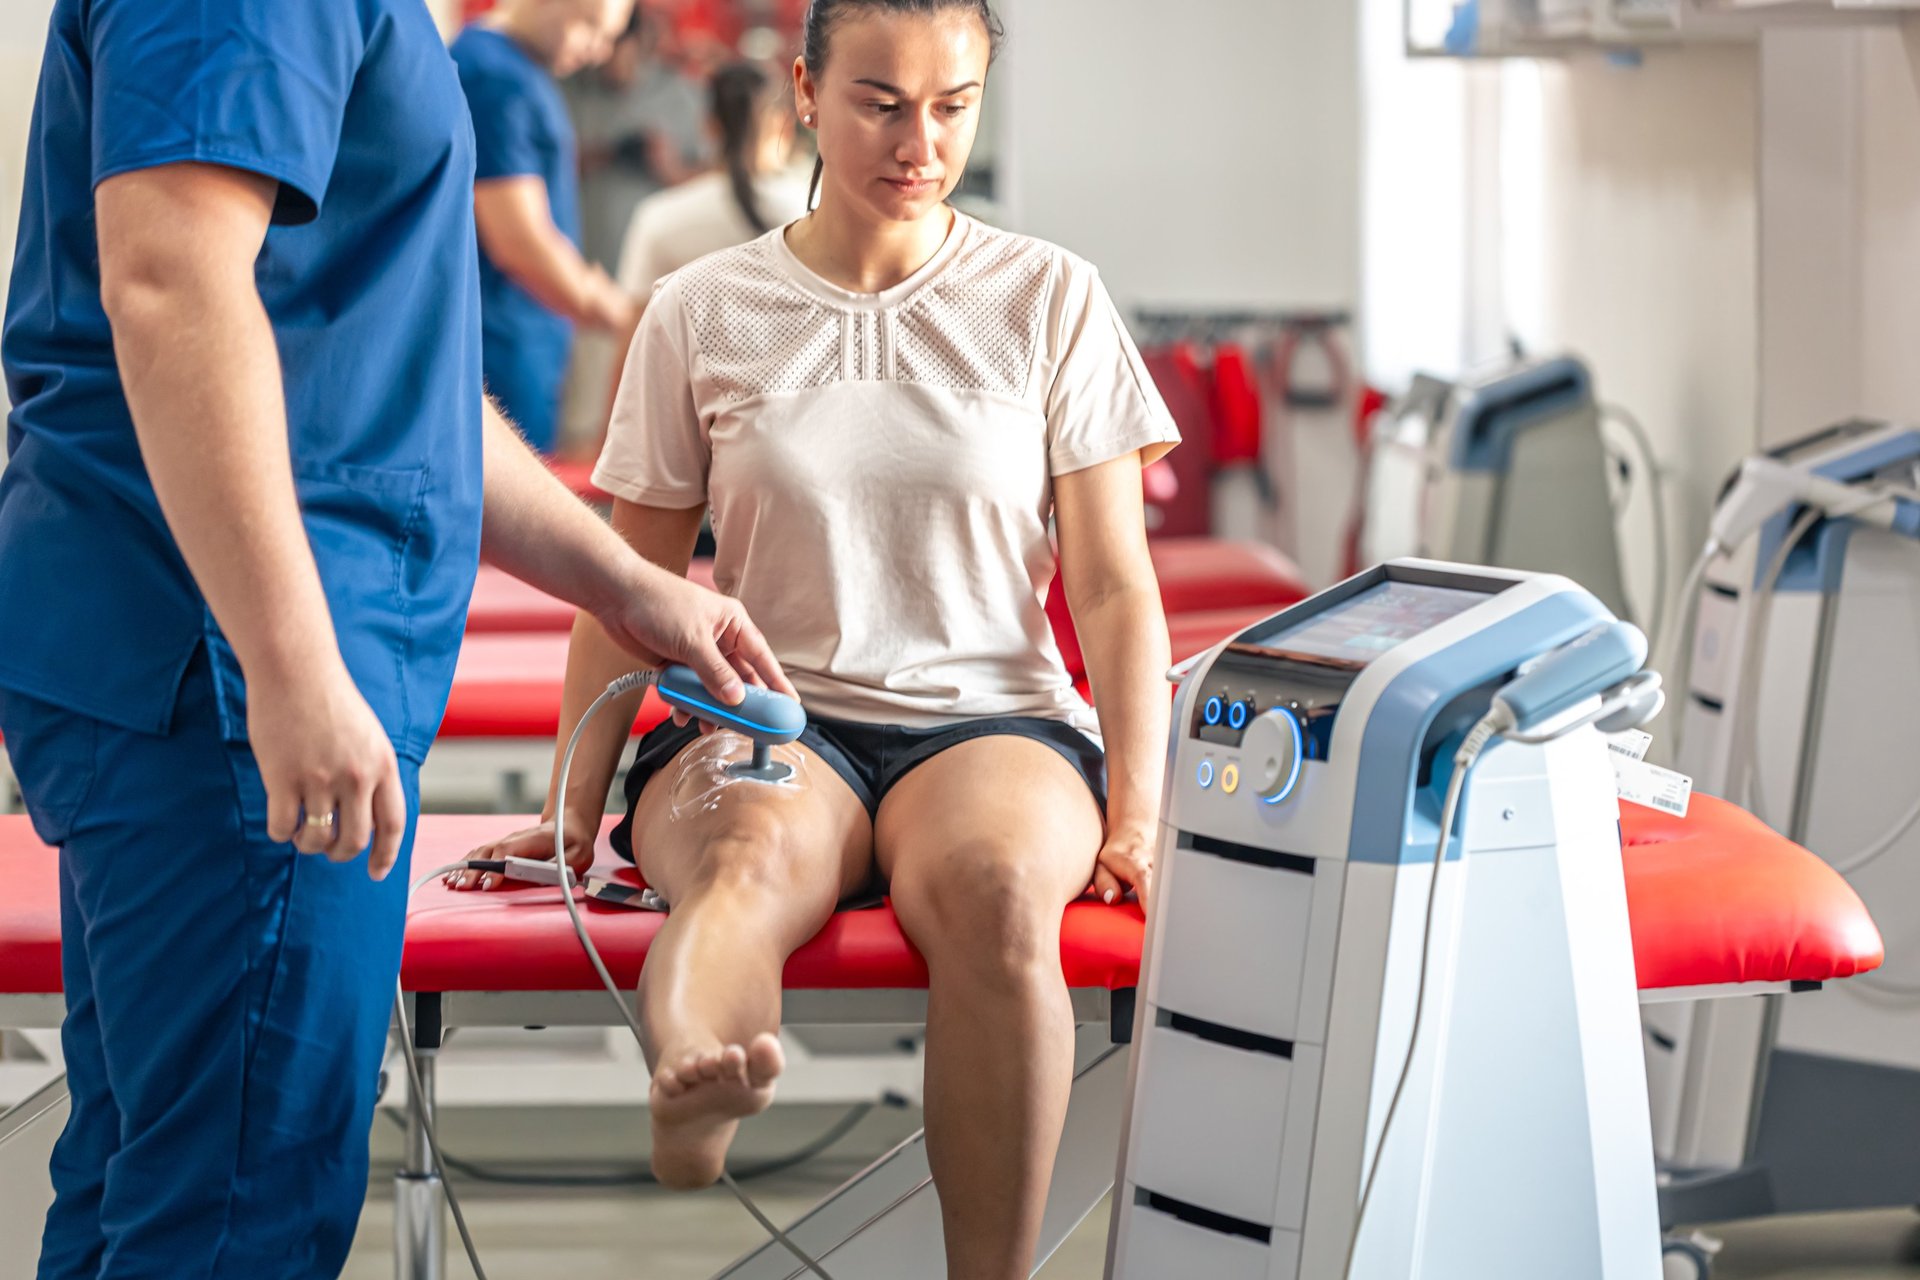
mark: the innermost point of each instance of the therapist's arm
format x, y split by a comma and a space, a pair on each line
594, 660
202, 377
539, 532
514, 220
1108, 576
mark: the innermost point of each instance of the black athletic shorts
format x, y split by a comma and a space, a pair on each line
871, 758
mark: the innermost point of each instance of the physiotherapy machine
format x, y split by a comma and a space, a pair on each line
1511, 466
1306, 977
1801, 701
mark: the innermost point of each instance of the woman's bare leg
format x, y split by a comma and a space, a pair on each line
984, 846
751, 875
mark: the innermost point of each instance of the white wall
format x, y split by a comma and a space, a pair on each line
1890, 223
1840, 227
1201, 155
1639, 204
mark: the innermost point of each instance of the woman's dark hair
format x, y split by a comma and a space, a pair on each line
738, 99
824, 15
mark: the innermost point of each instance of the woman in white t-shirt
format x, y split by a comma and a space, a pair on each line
883, 404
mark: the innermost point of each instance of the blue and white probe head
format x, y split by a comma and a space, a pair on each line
766, 718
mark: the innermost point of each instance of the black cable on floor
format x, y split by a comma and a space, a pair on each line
640, 1177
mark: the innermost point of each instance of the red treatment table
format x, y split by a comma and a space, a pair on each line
502, 604
577, 475
1719, 904
1197, 575
495, 745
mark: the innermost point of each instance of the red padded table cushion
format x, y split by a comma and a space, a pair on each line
1715, 898
578, 476
503, 603
520, 939
509, 686
1719, 896
1199, 574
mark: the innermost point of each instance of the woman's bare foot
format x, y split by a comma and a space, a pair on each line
698, 1099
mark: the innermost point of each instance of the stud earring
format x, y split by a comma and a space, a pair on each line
807, 120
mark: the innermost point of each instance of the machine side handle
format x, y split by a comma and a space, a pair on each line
1581, 669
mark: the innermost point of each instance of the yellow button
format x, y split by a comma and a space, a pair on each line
1230, 778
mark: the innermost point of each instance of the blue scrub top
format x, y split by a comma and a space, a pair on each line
368, 278
521, 129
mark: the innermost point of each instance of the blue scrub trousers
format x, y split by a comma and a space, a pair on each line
227, 1004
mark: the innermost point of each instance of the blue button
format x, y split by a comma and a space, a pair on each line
1206, 774
1213, 709
1237, 716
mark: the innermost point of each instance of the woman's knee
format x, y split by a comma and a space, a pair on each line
984, 910
746, 855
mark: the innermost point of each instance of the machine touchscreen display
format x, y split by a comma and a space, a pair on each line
1361, 629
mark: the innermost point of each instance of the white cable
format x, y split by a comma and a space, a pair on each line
1744, 743
1485, 731
619, 688
1656, 494
1743, 735
1673, 645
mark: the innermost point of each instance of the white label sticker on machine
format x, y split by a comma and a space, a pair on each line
1652, 786
1630, 743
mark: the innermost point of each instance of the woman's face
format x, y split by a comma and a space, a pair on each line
896, 108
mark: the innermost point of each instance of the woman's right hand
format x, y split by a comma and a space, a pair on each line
535, 843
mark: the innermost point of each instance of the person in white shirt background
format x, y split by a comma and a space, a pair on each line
753, 188
886, 404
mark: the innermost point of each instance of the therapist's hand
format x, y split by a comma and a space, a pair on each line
663, 618
1125, 862
323, 752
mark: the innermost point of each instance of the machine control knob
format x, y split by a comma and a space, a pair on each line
1272, 750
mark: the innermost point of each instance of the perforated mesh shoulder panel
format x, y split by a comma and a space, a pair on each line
758, 334
974, 327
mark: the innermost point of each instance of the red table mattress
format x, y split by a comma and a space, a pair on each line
509, 685
1198, 576
1715, 898
1213, 573
1209, 579
578, 476
503, 603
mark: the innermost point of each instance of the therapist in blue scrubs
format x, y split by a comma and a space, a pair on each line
535, 285
238, 533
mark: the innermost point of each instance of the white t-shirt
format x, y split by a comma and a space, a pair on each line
879, 466
699, 217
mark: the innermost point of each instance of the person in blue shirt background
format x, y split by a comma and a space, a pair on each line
534, 283
252, 474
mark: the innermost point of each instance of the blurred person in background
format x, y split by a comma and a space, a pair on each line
638, 118
753, 189
535, 283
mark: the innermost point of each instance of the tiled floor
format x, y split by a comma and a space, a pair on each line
650, 1235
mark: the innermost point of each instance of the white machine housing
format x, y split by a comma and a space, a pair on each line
1520, 477
1798, 1103
1283, 960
